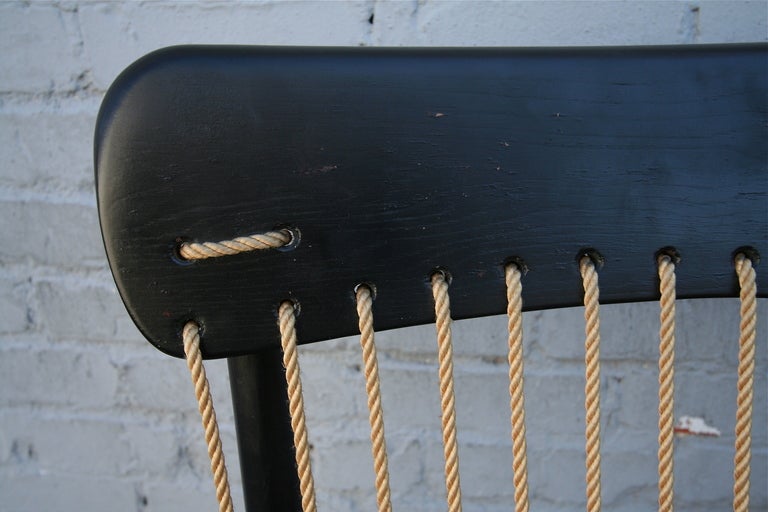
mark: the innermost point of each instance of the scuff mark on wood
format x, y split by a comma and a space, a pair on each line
324, 169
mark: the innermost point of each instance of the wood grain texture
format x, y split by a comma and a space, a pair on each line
394, 162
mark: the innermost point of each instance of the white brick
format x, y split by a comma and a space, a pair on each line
484, 337
482, 406
48, 147
346, 466
117, 34
633, 489
56, 445
704, 474
156, 382
162, 496
557, 477
64, 234
555, 334
708, 330
34, 493
57, 377
85, 312
486, 472
15, 312
411, 399
38, 47
406, 465
731, 22
628, 332
526, 23
334, 388
632, 396
431, 494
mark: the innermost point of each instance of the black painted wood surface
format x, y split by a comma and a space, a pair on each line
395, 162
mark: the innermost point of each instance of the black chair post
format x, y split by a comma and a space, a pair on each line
264, 434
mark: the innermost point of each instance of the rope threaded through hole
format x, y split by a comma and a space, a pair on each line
666, 270
592, 386
191, 339
447, 397
255, 242
364, 300
746, 371
288, 339
517, 400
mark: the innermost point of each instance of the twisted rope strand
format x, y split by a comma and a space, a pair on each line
372, 387
269, 240
447, 398
748, 313
287, 322
517, 402
191, 338
592, 387
666, 269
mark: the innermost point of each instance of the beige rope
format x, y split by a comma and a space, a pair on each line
191, 338
447, 398
748, 296
517, 402
666, 268
592, 387
269, 240
375, 415
287, 322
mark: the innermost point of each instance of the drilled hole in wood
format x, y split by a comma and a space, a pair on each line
748, 251
443, 272
670, 251
371, 288
295, 238
517, 262
593, 254
176, 256
294, 302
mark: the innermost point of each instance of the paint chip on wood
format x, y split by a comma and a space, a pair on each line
690, 425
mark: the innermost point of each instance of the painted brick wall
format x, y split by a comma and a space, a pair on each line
92, 418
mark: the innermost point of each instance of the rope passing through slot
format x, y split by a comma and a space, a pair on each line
517, 400
191, 338
592, 386
288, 339
372, 387
747, 333
666, 269
447, 397
258, 241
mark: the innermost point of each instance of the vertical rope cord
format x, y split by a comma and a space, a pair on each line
447, 397
191, 338
287, 322
517, 401
748, 313
372, 387
592, 386
666, 269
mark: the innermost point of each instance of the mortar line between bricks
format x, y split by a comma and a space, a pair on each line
78, 278
77, 197
118, 415
53, 98
30, 270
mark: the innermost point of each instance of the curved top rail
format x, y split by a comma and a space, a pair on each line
391, 163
